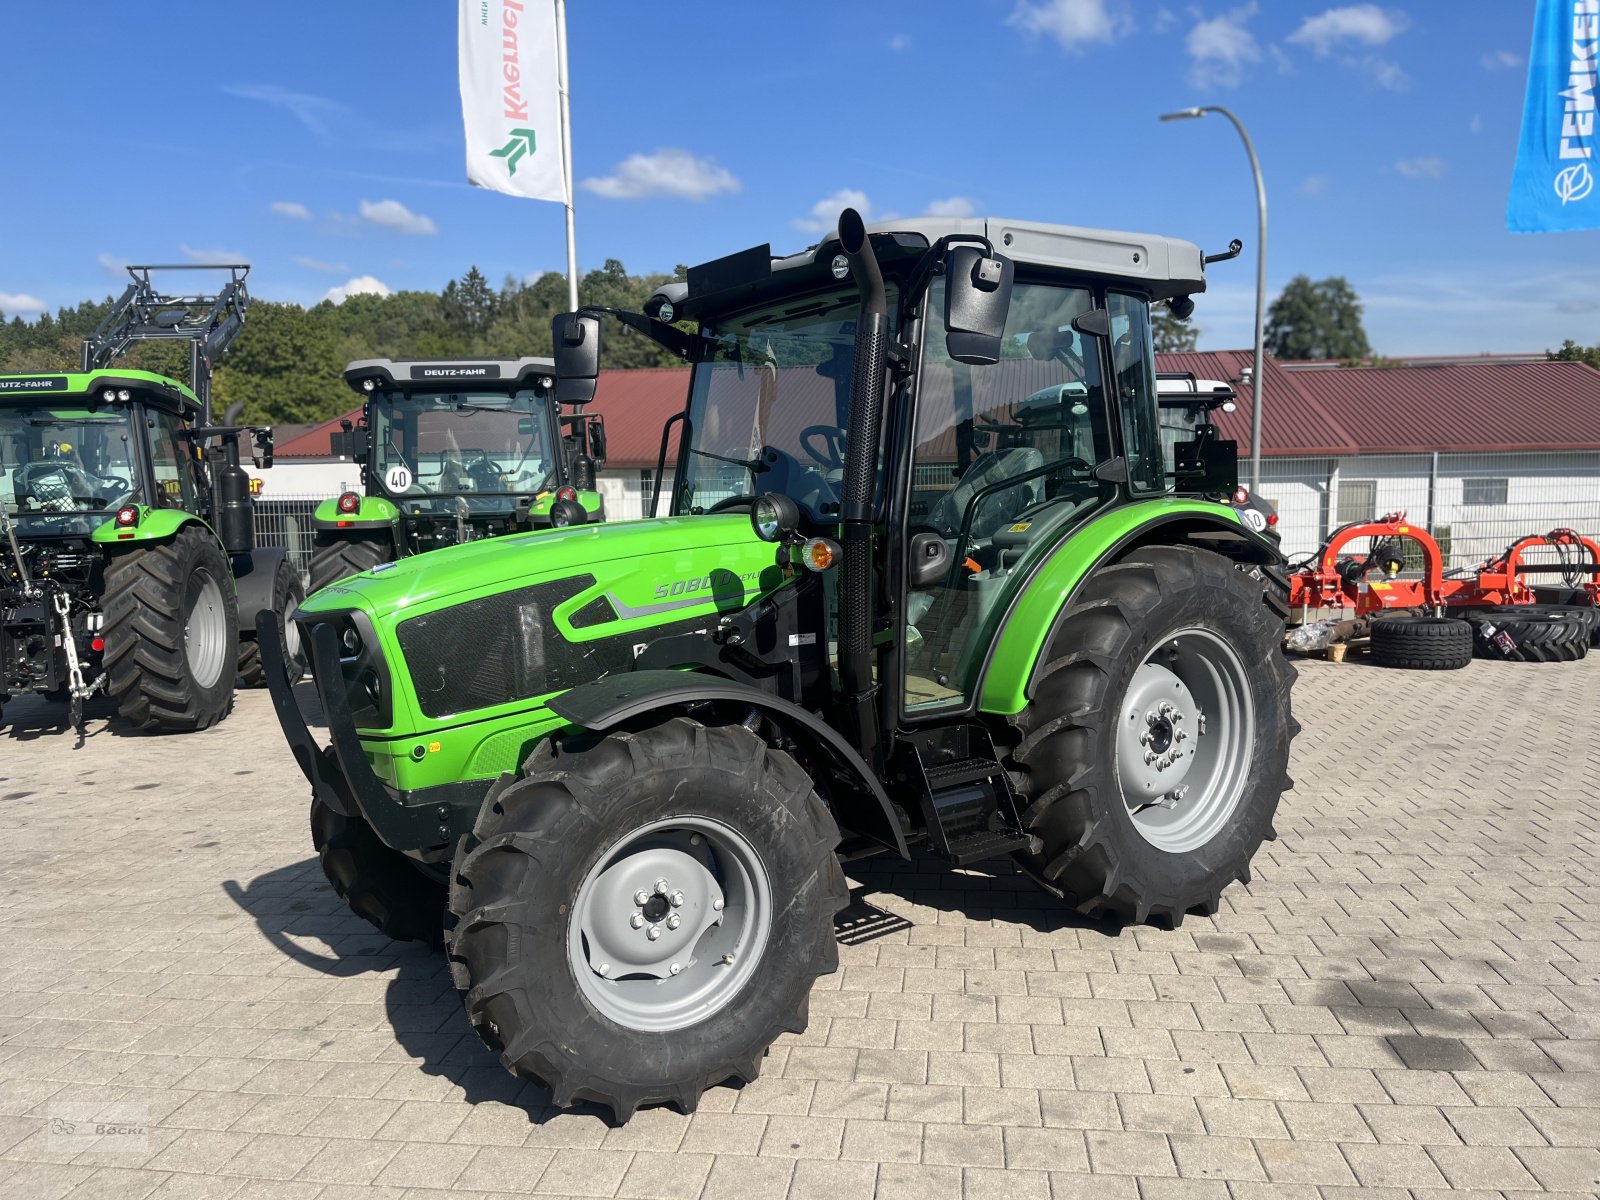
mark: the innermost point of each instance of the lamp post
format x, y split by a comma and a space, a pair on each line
1259, 373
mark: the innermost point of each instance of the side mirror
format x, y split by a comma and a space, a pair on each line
349, 443
1094, 323
576, 338
262, 452
977, 298
929, 559
597, 440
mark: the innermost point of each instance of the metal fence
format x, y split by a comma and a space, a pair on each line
287, 521
1474, 505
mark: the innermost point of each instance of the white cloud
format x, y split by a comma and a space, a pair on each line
1385, 74
13, 303
317, 264
900, 42
1426, 166
1221, 48
1072, 23
1314, 185
114, 264
1364, 24
292, 209
952, 206
1476, 124
361, 285
213, 257
1166, 21
667, 172
824, 216
391, 214
1501, 60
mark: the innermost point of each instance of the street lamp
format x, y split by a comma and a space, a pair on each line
1259, 373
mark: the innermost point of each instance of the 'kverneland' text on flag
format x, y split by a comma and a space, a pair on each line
1554, 184
510, 99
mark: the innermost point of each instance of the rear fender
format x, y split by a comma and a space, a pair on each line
376, 512
862, 807
155, 525
254, 575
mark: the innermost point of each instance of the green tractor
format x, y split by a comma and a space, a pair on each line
927, 585
453, 451
127, 546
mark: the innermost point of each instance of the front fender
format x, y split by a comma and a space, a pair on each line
155, 525
376, 512
607, 703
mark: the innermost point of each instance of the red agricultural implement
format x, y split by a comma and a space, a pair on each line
1510, 616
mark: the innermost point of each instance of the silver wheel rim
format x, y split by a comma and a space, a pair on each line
291, 629
204, 627
1186, 740
669, 925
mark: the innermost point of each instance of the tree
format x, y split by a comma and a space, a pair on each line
1572, 352
1171, 334
1320, 320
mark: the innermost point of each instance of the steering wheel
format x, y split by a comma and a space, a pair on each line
728, 502
830, 453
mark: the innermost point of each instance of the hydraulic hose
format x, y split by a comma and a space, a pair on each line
863, 435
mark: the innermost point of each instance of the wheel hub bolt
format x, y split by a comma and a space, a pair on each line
674, 921
637, 920
641, 896
727, 960
655, 932
676, 899
716, 905
695, 839
661, 887
1149, 756
676, 967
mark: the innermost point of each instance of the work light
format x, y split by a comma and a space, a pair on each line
774, 517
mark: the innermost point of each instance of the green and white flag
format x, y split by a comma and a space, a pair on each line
510, 98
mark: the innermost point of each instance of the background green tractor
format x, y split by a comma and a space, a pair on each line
128, 542
927, 584
455, 451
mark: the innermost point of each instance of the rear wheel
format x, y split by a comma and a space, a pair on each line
638, 920
171, 632
1155, 745
288, 593
1529, 633
1421, 643
335, 557
382, 886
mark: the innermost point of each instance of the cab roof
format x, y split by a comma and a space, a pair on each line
169, 393
409, 374
1159, 266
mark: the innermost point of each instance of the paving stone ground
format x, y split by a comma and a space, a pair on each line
1406, 998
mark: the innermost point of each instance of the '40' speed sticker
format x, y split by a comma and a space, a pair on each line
398, 479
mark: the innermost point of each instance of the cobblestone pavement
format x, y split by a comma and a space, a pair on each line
1407, 997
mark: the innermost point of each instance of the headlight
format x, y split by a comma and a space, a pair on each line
350, 641
774, 517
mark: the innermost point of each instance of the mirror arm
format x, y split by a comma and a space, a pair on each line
685, 345
932, 262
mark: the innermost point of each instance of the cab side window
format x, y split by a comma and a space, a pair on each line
173, 462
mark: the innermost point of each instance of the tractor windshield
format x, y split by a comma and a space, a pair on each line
769, 406
489, 448
60, 465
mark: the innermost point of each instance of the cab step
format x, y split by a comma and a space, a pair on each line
968, 808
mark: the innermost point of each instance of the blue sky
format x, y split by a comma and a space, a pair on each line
322, 143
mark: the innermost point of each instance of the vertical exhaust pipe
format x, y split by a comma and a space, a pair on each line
857, 600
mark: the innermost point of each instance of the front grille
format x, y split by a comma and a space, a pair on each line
495, 650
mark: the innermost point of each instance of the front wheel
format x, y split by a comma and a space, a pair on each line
1155, 746
335, 557
638, 920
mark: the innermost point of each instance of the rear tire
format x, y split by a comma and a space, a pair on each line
172, 632
568, 989
335, 557
1421, 643
1167, 626
382, 886
288, 593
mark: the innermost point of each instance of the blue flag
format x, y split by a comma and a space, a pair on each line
1553, 187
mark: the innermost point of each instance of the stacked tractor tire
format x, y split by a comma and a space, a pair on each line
1559, 628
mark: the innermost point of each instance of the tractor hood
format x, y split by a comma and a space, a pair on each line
642, 567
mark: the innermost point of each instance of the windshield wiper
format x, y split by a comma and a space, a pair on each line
754, 465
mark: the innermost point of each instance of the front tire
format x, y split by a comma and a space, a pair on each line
636, 921
335, 557
288, 593
1155, 746
382, 886
171, 632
